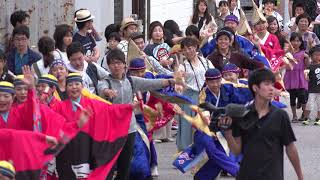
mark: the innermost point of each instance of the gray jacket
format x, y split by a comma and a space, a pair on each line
124, 90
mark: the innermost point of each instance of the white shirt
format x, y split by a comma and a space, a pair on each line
61, 55
195, 79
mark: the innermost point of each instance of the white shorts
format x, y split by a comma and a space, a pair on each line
313, 101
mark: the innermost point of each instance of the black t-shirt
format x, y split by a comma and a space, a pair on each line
87, 42
262, 144
314, 78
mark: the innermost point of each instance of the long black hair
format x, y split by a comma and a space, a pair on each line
60, 32
295, 35
173, 27
195, 16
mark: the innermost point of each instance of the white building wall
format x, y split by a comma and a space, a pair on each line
177, 10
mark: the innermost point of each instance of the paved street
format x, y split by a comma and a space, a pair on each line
308, 146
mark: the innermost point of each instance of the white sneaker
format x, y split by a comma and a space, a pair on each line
154, 171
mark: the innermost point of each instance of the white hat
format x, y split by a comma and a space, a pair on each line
83, 15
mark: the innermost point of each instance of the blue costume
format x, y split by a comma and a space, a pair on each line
247, 47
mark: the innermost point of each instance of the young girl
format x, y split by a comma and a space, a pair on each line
294, 79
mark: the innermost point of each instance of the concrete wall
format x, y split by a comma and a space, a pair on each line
44, 15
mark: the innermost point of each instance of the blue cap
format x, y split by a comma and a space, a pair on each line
231, 68
137, 64
231, 17
212, 74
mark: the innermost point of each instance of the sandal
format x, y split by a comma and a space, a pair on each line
294, 120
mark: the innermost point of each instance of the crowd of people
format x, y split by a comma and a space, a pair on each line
97, 115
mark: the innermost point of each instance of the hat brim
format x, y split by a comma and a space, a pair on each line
128, 24
84, 20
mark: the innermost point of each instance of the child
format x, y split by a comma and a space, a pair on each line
294, 80
314, 86
113, 39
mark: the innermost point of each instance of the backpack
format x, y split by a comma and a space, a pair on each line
92, 72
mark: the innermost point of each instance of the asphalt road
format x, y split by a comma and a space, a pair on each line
308, 144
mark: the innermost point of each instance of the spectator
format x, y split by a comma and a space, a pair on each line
234, 7
193, 68
298, 9
310, 39
84, 21
90, 71
138, 39
269, 11
294, 79
63, 38
203, 19
5, 75
128, 26
223, 13
314, 86
46, 47
193, 31
173, 34
310, 7
156, 37
21, 54
113, 40
19, 18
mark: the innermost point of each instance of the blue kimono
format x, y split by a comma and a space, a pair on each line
140, 164
246, 47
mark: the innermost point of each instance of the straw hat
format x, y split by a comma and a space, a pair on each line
127, 22
83, 15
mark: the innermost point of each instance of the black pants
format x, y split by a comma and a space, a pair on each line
124, 159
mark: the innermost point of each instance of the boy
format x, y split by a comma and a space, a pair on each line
21, 54
84, 21
264, 126
120, 89
314, 86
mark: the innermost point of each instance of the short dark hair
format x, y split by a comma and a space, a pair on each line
303, 16
46, 46
225, 3
80, 25
258, 76
18, 16
299, 5
269, 1
152, 26
110, 29
73, 48
60, 32
116, 54
189, 41
314, 49
114, 35
21, 30
193, 30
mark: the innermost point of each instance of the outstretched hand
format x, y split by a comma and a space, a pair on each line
84, 117
52, 141
28, 76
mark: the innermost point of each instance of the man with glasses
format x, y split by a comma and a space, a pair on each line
21, 54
